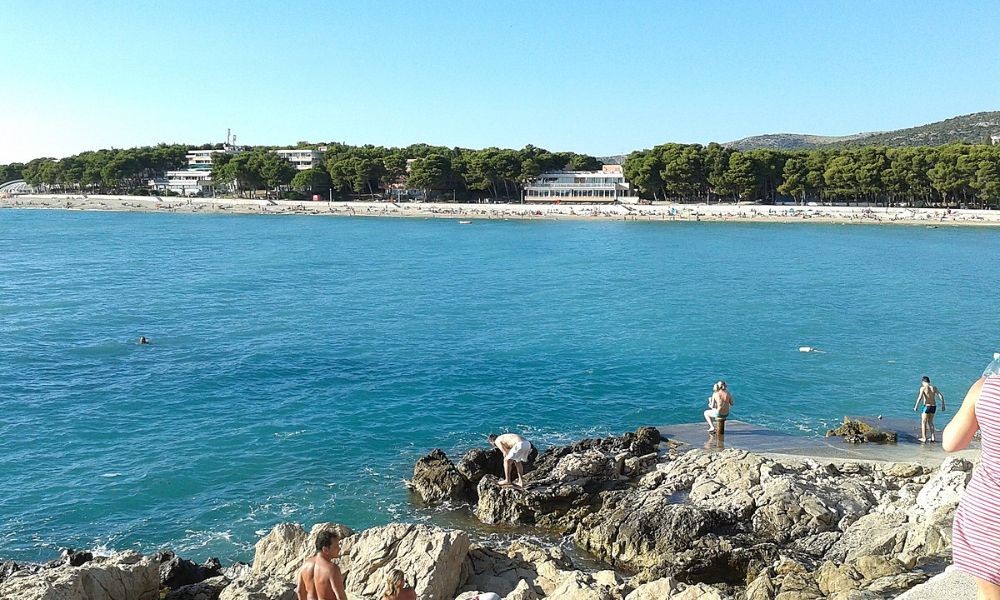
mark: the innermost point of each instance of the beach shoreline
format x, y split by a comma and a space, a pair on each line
740, 213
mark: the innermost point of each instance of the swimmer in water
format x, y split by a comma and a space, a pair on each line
143, 340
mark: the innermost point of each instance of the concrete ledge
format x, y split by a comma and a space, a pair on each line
950, 585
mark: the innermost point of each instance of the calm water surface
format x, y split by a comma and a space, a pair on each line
300, 365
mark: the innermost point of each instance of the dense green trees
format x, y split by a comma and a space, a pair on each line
459, 173
957, 174
114, 171
953, 175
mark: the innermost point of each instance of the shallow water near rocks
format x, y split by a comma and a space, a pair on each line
300, 365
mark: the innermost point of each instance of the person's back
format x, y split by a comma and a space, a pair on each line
723, 402
319, 578
317, 574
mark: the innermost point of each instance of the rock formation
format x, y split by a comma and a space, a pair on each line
673, 525
858, 432
125, 576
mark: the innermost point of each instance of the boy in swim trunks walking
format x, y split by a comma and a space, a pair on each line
515, 451
928, 395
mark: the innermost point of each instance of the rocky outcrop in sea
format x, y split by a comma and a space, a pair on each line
658, 522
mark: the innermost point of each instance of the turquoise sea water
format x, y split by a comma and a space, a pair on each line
300, 365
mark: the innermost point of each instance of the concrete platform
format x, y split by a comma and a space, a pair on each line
757, 438
950, 585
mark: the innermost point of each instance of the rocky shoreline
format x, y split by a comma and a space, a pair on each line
666, 522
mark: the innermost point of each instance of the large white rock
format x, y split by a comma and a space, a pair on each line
282, 551
259, 588
430, 557
655, 590
125, 576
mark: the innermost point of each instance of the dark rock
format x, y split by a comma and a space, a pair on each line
76, 558
210, 589
437, 481
8, 568
480, 462
565, 484
178, 572
858, 432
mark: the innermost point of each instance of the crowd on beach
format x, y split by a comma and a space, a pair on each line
622, 212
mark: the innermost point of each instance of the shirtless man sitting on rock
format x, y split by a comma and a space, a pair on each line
515, 450
319, 578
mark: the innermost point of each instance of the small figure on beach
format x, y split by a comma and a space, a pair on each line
396, 587
719, 404
515, 450
928, 395
976, 530
319, 578
143, 340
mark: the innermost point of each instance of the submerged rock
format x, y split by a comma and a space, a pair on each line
858, 432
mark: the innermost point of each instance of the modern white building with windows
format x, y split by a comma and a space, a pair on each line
302, 159
197, 178
581, 187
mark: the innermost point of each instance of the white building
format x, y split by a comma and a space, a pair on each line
576, 187
197, 178
302, 159
189, 182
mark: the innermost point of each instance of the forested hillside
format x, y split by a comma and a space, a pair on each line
968, 129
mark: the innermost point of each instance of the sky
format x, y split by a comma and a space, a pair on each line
600, 78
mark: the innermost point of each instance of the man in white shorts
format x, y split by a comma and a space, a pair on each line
515, 450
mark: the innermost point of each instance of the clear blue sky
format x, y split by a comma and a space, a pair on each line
594, 77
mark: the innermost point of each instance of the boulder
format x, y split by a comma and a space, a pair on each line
523, 591
655, 590
642, 529
437, 481
487, 569
178, 572
8, 568
283, 550
875, 534
858, 432
209, 589
256, 587
431, 558
580, 586
480, 462
125, 576
76, 558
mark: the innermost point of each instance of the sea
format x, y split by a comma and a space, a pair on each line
300, 365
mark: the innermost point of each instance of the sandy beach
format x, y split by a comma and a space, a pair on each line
614, 212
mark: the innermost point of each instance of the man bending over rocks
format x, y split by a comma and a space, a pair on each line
319, 578
515, 450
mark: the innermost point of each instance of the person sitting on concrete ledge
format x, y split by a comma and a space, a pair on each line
719, 404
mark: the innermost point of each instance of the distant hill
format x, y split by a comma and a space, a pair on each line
971, 129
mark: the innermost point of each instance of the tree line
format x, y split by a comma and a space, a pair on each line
952, 175
344, 172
